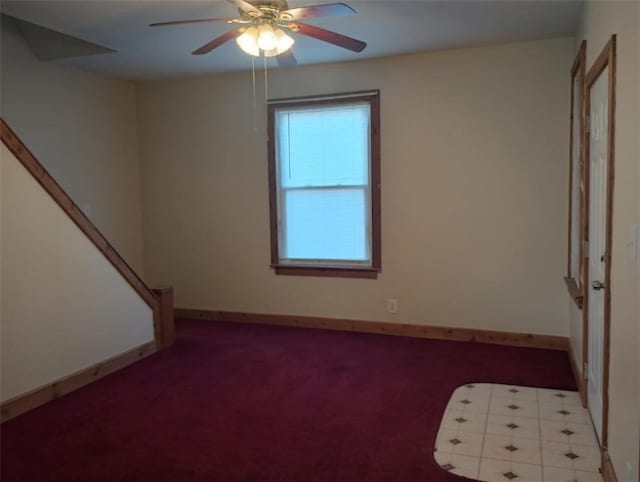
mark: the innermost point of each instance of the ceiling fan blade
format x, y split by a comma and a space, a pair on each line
329, 37
326, 10
247, 7
200, 20
286, 59
216, 42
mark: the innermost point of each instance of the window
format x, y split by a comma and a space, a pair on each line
576, 181
324, 185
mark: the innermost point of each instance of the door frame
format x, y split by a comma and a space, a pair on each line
607, 58
576, 286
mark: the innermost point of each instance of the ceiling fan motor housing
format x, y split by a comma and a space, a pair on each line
269, 8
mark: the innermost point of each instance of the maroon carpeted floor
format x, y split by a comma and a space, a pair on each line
248, 402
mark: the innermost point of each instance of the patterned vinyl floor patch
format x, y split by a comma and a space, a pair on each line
503, 433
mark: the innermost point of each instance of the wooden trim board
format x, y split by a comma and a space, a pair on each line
37, 170
165, 326
608, 473
35, 398
381, 327
577, 71
574, 291
336, 272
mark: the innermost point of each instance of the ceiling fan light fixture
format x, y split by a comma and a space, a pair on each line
248, 41
267, 39
262, 24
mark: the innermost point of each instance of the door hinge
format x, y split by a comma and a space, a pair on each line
585, 249
587, 124
585, 371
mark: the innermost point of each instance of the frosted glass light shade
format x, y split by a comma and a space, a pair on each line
284, 43
267, 39
248, 41
255, 39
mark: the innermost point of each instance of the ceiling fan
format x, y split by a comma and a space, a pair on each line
263, 24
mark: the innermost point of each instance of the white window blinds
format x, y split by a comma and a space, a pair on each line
323, 172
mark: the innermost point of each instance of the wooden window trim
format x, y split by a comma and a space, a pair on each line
330, 271
575, 288
370, 272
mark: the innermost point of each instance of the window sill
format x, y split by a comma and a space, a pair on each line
326, 271
574, 291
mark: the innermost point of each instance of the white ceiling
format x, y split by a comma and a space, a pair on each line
389, 27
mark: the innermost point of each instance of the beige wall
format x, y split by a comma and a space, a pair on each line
474, 179
82, 127
64, 306
601, 20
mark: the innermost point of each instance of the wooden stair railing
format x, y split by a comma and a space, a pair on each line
160, 300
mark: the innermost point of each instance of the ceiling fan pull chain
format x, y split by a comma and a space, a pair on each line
266, 83
255, 104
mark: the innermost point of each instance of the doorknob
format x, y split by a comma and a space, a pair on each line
597, 285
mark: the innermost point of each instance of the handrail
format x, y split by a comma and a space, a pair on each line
37, 170
160, 300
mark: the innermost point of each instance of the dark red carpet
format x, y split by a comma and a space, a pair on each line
247, 402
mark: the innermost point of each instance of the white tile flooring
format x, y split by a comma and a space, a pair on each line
503, 433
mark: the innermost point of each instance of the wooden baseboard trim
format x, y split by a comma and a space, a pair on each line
577, 374
380, 327
30, 400
608, 474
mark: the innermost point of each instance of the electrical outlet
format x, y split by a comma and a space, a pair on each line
392, 305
